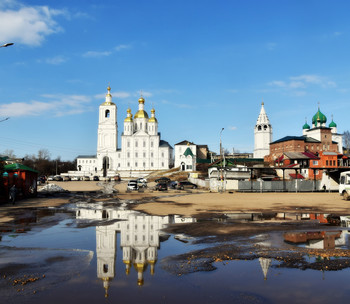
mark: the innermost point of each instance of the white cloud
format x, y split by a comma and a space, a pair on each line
122, 47
56, 60
28, 25
95, 54
303, 81
114, 94
55, 105
232, 128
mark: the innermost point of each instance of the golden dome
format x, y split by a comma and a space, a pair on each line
153, 119
141, 100
108, 100
141, 114
129, 116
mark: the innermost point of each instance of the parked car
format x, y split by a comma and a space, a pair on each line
95, 178
66, 178
58, 178
173, 184
142, 182
184, 185
163, 179
161, 187
86, 178
50, 178
75, 178
132, 185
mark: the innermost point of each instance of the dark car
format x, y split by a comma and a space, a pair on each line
96, 178
186, 185
58, 178
173, 184
162, 180
161, 187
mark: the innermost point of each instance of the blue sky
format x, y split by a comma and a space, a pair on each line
203, 65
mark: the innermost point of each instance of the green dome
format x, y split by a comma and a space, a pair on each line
332, 124
319, 117
306, 126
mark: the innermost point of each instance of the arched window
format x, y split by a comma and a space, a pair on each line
107, 114
259, 128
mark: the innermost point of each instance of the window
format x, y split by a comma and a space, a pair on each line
151, 164
144, 144
136, 154
162, 164
326, 162
107, 114
151, 154
162, 154
315, 162
136, 164
259, 128
128, 164
136, 143
128, 144
144, 154
144, 165
151, 144
128, 154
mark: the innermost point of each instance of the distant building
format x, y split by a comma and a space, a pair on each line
187, 154
262, 134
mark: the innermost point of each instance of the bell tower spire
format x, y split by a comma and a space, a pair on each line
262, 134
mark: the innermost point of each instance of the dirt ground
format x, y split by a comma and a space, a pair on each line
195, 202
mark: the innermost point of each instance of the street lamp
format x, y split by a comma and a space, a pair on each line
221, 177
6, 45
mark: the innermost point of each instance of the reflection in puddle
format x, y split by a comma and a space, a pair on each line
134, 260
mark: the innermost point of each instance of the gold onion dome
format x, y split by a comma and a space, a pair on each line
141, 100
129, 116
153, 119
141, 114
108, 100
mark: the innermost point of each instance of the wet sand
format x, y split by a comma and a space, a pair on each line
195, 202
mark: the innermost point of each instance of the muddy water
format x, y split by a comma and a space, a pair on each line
95, 252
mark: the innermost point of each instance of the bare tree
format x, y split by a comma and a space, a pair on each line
44, 154
346, 141
9, 152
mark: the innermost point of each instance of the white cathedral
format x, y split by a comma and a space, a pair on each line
141, 151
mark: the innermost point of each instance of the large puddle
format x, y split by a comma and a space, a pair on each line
94, 252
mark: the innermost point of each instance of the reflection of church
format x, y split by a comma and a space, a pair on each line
139, 239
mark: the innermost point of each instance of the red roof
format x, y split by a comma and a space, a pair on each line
310, 155
296, 176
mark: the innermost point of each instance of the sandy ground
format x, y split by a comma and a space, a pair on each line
194, 202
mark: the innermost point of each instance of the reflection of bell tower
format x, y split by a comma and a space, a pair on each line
265, 265
105, 250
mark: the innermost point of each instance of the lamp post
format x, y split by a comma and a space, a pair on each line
6, 45
221, 176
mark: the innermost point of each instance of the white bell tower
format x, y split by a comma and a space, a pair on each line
107, 137
262, 135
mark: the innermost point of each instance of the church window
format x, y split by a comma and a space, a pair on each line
136, 154
127, 237
135, 237
151, 237
141, 126
136, 143
135, 127
265, 127
143, 238
162, 164
144, 144
144, 165
151, 164
128, 144
259, 128
107, 114
144, 154
162, 154
151, 154
151, 144
118, 164
128, 154
136, 164
128, 164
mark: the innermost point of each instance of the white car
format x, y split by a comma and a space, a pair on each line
132, 185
